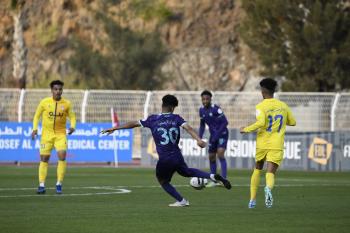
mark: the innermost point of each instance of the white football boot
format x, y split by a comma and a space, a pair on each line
182, 203
268, 197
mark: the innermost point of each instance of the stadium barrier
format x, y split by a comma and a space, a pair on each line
86, 145
311, 151
314, 112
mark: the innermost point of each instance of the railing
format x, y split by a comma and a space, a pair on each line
313, 111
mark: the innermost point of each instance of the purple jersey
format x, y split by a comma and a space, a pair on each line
215, 119
165, 129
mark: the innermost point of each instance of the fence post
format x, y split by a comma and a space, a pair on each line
334, 108
145, 109
83, 106
20, 105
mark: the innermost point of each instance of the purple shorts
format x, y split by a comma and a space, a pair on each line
167, 166
221, 142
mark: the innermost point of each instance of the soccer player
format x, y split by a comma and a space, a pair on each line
165, 129
272, 116
213, 116
54, 112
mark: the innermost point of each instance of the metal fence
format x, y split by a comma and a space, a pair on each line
313, 111
341, 112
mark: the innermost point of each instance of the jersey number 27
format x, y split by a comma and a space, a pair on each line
276, 118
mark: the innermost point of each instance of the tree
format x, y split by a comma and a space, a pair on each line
19, 54
133, 60
304, 42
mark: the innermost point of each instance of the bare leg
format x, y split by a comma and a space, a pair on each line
271, 167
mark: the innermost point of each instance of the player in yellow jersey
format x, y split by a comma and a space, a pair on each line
54, 112
272, 116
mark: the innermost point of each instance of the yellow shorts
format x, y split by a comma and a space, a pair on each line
48, 142
274, 156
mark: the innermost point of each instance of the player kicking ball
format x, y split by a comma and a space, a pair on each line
272, 116
165, 129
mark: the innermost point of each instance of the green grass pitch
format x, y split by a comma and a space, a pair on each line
304, 202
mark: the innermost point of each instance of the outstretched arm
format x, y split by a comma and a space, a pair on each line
127, 125
260, 122
194, 135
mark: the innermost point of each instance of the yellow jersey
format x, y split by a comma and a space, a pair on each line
54, 116
272, 116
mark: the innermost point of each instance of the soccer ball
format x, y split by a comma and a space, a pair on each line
198, 183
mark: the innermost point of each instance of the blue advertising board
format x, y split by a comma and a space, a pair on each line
86, 144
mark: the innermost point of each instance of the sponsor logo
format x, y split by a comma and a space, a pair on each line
347, 151
60, 114
235, 149
320, 151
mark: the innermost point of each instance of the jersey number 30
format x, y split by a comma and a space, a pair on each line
276, 118
169, 136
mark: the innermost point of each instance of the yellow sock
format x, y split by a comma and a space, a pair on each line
254, 183
270, 180
43, 171
61, 170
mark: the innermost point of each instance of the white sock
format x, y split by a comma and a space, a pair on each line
42, 184
212, 177
58, 183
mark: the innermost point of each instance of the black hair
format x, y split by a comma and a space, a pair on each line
269, 84
206, 92
56, 82
169, 101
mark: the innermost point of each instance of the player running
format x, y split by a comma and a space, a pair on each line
165, 129
272, 116
213, 116
54, 112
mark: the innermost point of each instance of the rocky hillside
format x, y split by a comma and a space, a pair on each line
204, 47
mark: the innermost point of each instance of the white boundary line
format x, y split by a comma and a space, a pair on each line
115, 191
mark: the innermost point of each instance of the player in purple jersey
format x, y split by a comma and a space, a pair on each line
165, 129
213, 116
